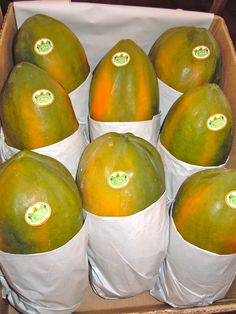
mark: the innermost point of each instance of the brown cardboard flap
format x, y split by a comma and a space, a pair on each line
228, 80
6, 41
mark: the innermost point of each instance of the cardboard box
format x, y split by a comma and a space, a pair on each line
143, 303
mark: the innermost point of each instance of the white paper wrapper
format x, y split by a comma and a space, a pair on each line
168, 96
148, 130
47, 283
80, 99
125, 253
67, 151
99, 27
191, 276
177, 171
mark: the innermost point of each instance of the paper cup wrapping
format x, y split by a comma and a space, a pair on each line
50, 282
80, 103
67, 151
126, 253
148, 130
177, 171
191, 276
168, 96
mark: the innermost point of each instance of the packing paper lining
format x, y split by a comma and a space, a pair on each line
177, 171
126, 253
80, 103
67, 151
191, 276
148, 130
168, 96
100, 26
50, 282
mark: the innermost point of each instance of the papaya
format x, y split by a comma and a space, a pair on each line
35, 110
124, 85
40, 205
204, 210
198, 128
119, 175
51, 45
186, 57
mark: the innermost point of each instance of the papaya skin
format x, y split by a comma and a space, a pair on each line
28, 178
174, 63
201, 213
124, 93
27, 125
185, 133
132, 155
67, 62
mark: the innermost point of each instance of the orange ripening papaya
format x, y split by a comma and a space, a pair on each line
119, 175
204, 211
186, 57
124, 85
35, 110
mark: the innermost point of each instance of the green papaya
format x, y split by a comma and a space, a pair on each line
35, 110
198, 128
40, 205
186, 57
204, 210
119, 175
124, 85
51, 45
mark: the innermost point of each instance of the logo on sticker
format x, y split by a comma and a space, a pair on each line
201, 52
118, 179
43, 46
120, 59
231, 199
43, 97
37, 214
216, 122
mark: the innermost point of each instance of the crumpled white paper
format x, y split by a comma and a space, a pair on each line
177, 171
47, 283
67, 151
126, 253
80, 100
168, 96
148, 130
191, 276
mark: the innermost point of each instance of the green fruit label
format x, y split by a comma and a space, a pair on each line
43, 46
120, 59
201, 52
216, 122
230, 199
43, 97
118, 179
37, 214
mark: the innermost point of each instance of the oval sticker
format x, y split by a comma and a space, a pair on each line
118, 179
37, 214
216, 122
43, 46
230, 199
201, 52
43, 97
120, 59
